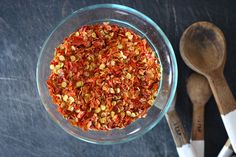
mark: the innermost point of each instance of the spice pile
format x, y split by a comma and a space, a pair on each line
103, 77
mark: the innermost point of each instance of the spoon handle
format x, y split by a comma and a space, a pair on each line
226, 103
184, 148
227, 150
198, 129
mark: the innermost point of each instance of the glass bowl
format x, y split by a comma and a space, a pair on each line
141, 24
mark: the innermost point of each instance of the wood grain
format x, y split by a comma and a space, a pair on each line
198, 123
177, 129
222, 93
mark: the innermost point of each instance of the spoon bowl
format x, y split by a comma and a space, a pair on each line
203, 48
198, 89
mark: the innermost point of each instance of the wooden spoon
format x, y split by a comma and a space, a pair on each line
184, 148
227, 150
203, 49
199, 92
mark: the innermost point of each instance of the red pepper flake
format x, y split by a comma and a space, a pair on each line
103, 76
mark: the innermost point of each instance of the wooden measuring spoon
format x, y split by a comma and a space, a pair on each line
227, 150
184, 148
203, 49
199, 93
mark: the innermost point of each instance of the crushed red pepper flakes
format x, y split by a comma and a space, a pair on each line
103, 77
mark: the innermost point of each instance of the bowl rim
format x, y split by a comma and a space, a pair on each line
172, 58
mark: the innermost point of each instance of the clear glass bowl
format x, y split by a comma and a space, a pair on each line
143, 25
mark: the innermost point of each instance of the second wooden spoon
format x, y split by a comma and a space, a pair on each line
199, 93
